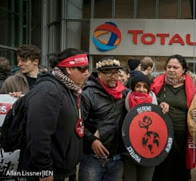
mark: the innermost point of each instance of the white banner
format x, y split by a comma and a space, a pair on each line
8, 161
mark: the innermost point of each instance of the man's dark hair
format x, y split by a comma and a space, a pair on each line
5, 66
54, 60
29, 51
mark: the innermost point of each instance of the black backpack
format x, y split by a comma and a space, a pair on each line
12, 136
13, 130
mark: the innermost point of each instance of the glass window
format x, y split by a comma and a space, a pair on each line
103, 9
54, 38
186, 9
14, 20
85, 36
86, 9
192, 67
124, 8
168, 9
10, 55
146, 9
54, 10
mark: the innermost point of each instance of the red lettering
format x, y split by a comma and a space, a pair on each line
176, 39
144, 36
162, 37
188, 40
135, 33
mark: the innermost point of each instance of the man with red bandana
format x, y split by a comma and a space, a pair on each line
54, 130
103, 114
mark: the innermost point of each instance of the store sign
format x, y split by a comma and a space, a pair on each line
145, 37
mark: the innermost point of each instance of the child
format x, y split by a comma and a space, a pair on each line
139, 94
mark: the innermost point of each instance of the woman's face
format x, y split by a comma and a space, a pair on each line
123, 77
141, 87
174, 69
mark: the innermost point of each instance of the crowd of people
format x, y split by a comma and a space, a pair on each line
75, 118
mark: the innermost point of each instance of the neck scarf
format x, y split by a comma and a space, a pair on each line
67, 81
138, 98
190, 91
115, 92
172, 82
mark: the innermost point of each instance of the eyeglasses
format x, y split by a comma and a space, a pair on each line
82, 69
109, 74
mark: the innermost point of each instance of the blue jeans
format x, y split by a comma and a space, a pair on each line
96, 169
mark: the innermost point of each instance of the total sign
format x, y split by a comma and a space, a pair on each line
147, 37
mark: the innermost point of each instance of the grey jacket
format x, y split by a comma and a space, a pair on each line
15, 83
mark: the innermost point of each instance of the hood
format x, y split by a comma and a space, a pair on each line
134, 72
43, 76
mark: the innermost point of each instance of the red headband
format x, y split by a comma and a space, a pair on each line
74, 61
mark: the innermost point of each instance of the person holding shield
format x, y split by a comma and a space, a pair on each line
140, 94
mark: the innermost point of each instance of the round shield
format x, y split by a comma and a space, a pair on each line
147, 134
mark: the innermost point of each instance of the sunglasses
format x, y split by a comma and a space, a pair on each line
83, 69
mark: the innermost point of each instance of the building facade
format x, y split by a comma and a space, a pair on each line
54, 25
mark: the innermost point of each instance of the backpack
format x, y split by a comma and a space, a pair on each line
12, 136
13, 130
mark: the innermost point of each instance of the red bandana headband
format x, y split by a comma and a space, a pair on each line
74, 61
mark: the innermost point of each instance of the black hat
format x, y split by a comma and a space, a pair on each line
133, 63
140, 78
108, 63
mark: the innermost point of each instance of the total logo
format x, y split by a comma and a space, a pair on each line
113, 38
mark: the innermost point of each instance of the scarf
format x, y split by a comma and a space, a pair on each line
77, 90
136, 98
115, 92
172, 82
156, 86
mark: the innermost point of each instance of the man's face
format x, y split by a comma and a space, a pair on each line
27, 66
78, 74
109, 77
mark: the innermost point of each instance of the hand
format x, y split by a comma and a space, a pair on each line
193, 114
50, 178
15, 94
99, 150
165, 107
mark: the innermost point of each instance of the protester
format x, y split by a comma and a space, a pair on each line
139, 94
147, 66
104, 111
54, 125
124, 76
176, 88
134, 66
5, 69
28, 57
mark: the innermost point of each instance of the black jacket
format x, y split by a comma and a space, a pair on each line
101, 111
52, 143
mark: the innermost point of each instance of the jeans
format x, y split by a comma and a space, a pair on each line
96, 169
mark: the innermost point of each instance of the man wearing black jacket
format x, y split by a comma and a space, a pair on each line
104, 111
54, 143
